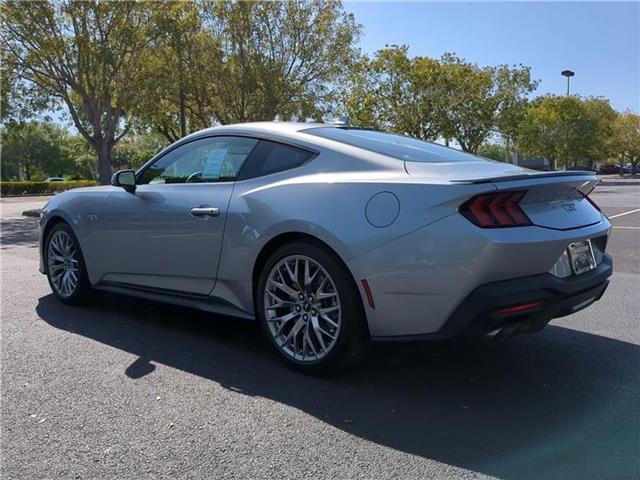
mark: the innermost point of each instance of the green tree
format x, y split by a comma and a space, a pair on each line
513, 86
625, 141
83, 55
566, 130
473, 101
282, 59
429, 99
136, 149
84, 159
600, 118
180, 74
221, 62
34, 150
494, 151
392, 92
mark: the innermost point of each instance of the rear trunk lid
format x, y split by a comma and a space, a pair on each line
553, 200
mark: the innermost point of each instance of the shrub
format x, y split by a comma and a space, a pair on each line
41, 188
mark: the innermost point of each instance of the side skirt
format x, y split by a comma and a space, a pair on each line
206, 304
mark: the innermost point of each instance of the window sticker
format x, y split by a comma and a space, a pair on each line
213, 164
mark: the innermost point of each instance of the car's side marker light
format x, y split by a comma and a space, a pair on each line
368, 293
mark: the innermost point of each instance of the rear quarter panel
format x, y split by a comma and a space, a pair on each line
328, 206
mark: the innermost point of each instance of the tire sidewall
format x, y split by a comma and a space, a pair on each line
83, 281
351, 336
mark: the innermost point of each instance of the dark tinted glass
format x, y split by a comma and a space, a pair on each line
272, 157
397, 146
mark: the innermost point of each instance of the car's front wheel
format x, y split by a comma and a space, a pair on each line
310, 309
65, 265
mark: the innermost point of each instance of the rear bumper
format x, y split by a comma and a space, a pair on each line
550, 297
419, 280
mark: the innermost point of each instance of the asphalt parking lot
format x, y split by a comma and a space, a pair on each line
130, 389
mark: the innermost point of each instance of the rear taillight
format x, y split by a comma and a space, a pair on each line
588, 199
496, 210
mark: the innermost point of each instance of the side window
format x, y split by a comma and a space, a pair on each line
215, 159
271, 157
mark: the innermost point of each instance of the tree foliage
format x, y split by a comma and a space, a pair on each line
136, 149
567, 130
392, 92
625, 141
85, 56
34, 151
135, 75
176, 66
180, 74
228, 62
280, 59
448, 98
494, 151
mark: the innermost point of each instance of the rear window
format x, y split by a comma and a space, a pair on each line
397, 146
271, 157
277, 157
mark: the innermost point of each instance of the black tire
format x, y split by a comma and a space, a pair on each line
352, 338
81, 290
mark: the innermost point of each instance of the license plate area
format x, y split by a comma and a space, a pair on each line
581, 256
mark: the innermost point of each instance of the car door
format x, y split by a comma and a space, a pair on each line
168, 234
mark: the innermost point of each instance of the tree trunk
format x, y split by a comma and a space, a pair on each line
103, 149
181, 93
183, 115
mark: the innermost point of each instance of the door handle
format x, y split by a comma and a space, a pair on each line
205, 211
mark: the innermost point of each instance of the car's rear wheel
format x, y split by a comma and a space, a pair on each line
65, 265
310, 309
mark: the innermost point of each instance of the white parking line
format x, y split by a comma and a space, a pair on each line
628, 228
616, 194
625, 213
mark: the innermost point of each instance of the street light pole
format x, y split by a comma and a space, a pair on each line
568, 74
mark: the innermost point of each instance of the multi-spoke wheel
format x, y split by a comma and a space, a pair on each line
309, 307
302, 308
65, 266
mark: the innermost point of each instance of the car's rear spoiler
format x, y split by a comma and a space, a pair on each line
526, 176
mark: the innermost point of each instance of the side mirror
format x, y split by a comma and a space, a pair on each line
125, 179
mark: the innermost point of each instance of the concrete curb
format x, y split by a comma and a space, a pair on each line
30, 195
614, 183
32, 213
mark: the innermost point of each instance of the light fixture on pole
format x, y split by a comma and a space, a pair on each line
568, 74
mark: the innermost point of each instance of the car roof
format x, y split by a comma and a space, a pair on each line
274, 127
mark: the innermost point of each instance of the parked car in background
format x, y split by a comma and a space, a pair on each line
333, 236
609, 169
582, 168
54, 179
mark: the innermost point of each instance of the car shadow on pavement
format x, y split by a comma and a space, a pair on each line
559, 404
19, 232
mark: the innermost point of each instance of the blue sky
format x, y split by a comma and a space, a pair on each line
599, 41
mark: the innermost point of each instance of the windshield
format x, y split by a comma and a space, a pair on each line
397, 146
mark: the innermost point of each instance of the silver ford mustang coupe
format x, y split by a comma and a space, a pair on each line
331, 236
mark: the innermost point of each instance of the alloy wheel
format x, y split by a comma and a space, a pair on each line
63, 264
302, 308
